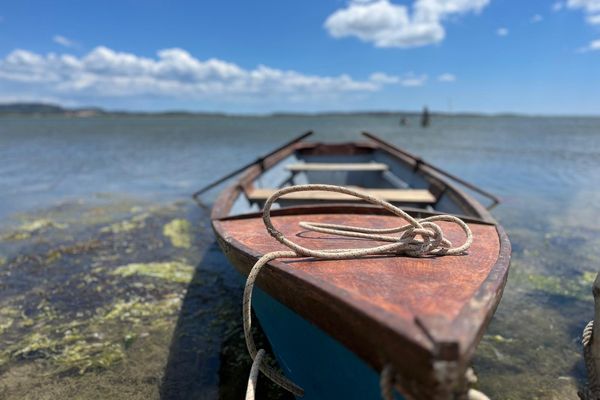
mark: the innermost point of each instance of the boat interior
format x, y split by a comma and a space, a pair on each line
399, 180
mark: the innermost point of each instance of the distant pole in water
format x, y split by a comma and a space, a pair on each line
403, 121
425, 118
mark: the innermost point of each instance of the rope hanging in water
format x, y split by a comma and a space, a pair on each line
416, 238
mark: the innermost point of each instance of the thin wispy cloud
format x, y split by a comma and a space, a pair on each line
502, 32
447, 78
64, 41
175, 73
593, 46
557, 6
593, 19
409, 79
386, 24
536, 18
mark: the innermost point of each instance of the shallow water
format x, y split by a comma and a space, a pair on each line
90, 206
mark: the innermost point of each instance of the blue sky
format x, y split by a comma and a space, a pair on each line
536, 57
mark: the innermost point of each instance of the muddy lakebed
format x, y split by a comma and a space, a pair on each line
112, 286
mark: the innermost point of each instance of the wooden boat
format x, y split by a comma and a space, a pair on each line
334, 324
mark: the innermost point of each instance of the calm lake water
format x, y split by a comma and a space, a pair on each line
92, 209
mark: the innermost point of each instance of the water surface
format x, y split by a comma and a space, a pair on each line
88, 209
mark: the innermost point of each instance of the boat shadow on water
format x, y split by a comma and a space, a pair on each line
207, 355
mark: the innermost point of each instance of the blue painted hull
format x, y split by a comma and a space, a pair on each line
323, 367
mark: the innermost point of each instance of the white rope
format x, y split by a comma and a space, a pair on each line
416, 238
253, 378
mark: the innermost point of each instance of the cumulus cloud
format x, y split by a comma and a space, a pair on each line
386, 24
63, 41
447, 78
174, 73
502, 32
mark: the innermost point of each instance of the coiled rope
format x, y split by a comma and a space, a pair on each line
416, 238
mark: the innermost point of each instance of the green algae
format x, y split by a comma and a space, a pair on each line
173, 271
84, 356
136, 310
28, 229
7, 317
67, 351
94, 343
72, 316
128, 225
588, 278
578, 287
179, 232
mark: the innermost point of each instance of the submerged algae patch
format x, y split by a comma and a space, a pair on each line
30, 228
179, 231
135, 310
127, 225
75, 318
7, 318
173, 271
97, 342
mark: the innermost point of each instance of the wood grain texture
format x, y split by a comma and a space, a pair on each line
372, 166
422, 196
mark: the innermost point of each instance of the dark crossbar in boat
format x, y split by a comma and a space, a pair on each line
259, 160
419, 161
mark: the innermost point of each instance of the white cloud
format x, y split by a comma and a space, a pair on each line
502, 32
593, 46
409, 80
536, 18
591, 8
557, 6
393, 25
447, 78
593, 19
63, 41
175, 73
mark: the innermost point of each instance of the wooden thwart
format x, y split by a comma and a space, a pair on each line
337, 167
421, 196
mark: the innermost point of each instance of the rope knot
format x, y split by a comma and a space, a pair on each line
432, 240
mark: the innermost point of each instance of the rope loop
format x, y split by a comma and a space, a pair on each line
417, 238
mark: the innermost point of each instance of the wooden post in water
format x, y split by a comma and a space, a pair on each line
595, 344
591, 349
